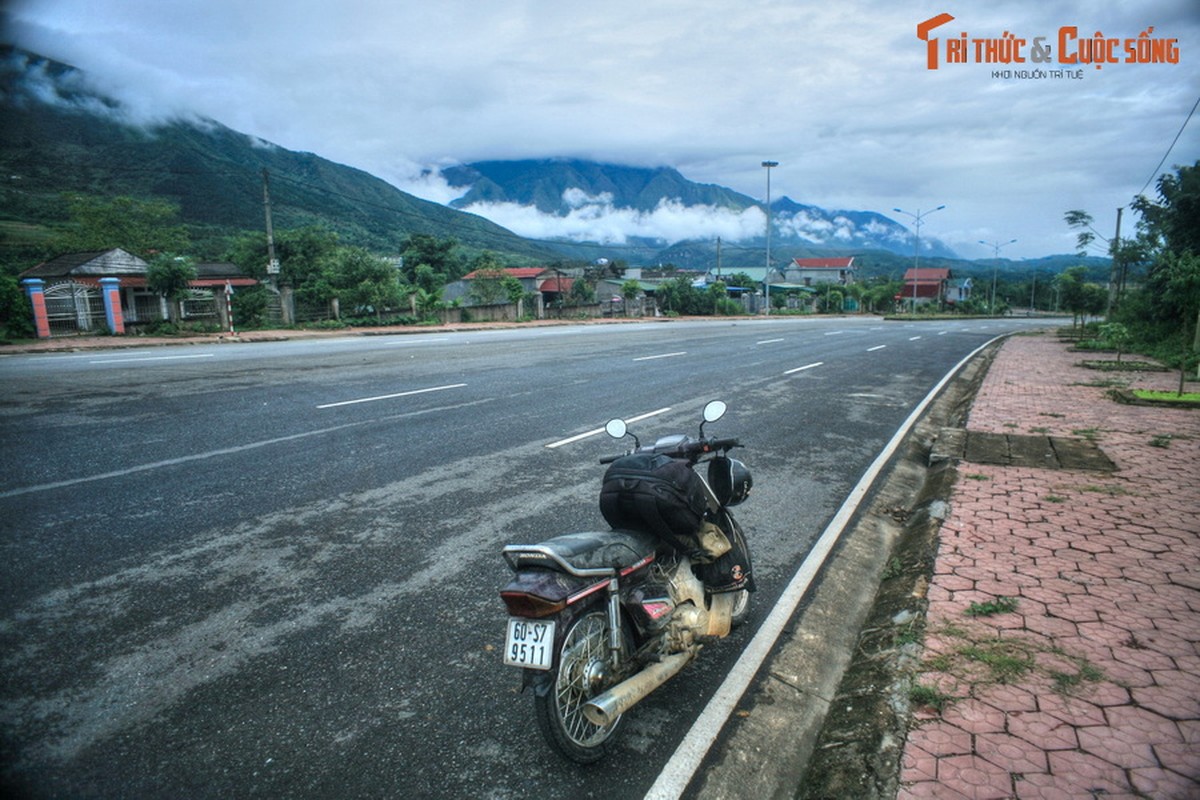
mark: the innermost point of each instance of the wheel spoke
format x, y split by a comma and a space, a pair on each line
582, 654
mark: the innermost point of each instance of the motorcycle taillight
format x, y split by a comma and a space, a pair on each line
530, 606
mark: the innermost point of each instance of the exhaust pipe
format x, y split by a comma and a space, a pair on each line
604, 709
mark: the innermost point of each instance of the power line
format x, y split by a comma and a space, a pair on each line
1173, 143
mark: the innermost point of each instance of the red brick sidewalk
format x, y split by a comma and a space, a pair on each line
1084, 680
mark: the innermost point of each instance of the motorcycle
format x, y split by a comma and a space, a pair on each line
600, 619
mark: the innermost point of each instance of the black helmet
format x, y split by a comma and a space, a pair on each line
730, 480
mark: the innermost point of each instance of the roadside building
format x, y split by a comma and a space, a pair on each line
106, 290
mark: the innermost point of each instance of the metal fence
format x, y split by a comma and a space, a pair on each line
74, 308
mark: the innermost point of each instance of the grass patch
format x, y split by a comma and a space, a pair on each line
1039, 430
1067, 682
893, 568
1005, 660
977, 659
1001, 605
1154, 394
978, 476
1091, 434
930, 696
1110, 383
1054, 498
1111, 491
1123, 366
1162, 440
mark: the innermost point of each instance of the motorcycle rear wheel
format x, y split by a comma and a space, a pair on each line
583, 672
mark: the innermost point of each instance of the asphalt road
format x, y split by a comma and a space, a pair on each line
271, 570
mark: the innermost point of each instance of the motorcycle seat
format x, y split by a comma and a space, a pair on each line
587, 550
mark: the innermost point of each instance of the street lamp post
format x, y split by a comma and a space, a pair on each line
917, 217
767, 274
996, 263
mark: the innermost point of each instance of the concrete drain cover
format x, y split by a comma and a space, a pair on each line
1013, 450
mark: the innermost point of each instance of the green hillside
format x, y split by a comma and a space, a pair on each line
78, 143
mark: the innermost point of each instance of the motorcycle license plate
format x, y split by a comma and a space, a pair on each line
530, 644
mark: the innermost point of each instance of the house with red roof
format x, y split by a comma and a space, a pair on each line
933, 285
551, 284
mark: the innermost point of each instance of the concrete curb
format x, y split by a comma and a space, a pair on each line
798, 705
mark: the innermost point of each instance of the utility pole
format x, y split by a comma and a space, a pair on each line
718, 258
767, 277
285, 304
272, 262
1114, 278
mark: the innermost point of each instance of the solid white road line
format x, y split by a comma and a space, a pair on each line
598, 431
662, 355
806, 366
686, 760
392, 396
148, 358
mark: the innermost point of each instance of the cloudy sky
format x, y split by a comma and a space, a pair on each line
839, 93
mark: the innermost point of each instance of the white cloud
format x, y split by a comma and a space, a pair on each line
837, 93
596, 219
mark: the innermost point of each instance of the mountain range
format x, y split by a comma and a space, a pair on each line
60, 137
562, 189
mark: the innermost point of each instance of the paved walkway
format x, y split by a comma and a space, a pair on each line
1063, 630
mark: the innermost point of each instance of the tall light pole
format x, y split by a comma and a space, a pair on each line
767, 275
996, 258
917, 217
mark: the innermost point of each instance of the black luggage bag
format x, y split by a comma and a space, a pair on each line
655, 493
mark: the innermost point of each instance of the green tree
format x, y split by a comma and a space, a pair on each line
855, 291
141, 227
171, 276
739, 280
440, 256
1178, 276
880, 297
1117, 336
678, 296
424, 277
302, 253
1169, 232
630, 290
16, 314
1080, 297
427, 302
513, 290
1173, 223
833, 300
362, 281
582, 293
715, 293
487, 283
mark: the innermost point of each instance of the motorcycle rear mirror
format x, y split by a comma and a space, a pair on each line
714, 410
616, 428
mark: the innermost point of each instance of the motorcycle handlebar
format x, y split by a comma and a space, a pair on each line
690, 450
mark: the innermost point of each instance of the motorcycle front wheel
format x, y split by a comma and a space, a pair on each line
741, 603
583, 672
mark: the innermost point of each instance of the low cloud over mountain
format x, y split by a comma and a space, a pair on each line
582, 201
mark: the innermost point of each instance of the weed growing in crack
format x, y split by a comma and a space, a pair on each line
930, 696
1001, 605
976, 659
